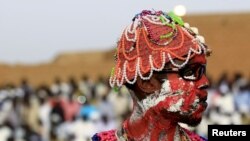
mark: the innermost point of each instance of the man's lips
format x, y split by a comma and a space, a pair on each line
204, 104
202, 95
203, 99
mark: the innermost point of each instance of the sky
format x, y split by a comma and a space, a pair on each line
35, 31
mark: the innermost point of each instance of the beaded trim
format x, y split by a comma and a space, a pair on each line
153, 39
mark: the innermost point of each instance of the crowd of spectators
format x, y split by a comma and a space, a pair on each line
76, 110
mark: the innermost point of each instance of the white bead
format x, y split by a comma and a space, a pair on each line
119, 84
186, 25
126, 35
139, 72
195, 51
111, 81
125, 74
133, 26
162, 65
183, 64
201, 38
153, 20
195, 30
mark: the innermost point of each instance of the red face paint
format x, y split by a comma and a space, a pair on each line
183, 101
188, 100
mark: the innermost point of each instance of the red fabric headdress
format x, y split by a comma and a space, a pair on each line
153, 39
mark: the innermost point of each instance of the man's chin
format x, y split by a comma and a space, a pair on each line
192, 119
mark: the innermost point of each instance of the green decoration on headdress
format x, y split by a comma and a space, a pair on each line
166, 23
116, 89
176, 18
166, 35
172, 25
113, 71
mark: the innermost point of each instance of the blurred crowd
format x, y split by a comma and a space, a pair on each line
76, 110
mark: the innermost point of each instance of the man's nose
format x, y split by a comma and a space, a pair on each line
203, 83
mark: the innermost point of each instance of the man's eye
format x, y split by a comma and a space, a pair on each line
188, 73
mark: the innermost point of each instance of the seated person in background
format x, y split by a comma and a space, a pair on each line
162, 61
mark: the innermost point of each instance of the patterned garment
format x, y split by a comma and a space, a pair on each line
111, 136
105, 136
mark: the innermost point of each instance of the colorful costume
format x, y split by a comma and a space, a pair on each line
112, 135
162, 61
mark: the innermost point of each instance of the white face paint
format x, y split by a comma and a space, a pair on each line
165, 88
177, 106
195, 103
165, 92
155, 98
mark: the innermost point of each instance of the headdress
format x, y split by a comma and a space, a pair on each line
153, 39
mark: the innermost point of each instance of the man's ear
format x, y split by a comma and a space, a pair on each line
148, 86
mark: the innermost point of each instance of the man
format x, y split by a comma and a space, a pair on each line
162, 61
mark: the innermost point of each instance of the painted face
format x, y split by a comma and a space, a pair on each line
182, 96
